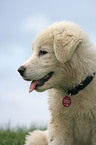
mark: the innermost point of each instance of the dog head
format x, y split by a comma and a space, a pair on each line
50, 65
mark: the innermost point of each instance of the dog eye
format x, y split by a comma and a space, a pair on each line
41, 53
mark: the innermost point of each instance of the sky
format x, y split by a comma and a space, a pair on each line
20, 21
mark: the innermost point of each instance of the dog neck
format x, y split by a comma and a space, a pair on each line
66, 101
81, 86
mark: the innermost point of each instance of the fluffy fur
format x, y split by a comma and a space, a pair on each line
37, 138
72, 57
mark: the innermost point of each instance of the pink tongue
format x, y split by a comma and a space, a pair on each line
32, 86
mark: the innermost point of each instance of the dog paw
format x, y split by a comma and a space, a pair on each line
37, 138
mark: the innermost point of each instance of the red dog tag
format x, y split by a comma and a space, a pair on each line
66, 101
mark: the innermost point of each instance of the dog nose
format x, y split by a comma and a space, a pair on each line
21, 70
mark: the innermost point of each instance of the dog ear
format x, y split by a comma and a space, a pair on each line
65, 44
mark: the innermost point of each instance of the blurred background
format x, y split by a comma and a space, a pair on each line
20, 21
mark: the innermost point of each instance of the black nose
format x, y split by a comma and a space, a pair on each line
21, 70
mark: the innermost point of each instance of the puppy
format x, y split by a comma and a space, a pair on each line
64, 61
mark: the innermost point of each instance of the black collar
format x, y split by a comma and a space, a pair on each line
81, 86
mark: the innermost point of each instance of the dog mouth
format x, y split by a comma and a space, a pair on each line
38, 83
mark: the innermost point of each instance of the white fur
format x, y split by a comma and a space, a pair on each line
37, 138
72, 57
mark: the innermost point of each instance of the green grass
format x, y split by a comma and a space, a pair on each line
15, 136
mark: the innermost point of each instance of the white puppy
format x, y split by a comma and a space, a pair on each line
64, 61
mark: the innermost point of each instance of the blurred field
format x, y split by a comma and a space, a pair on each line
15, 136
